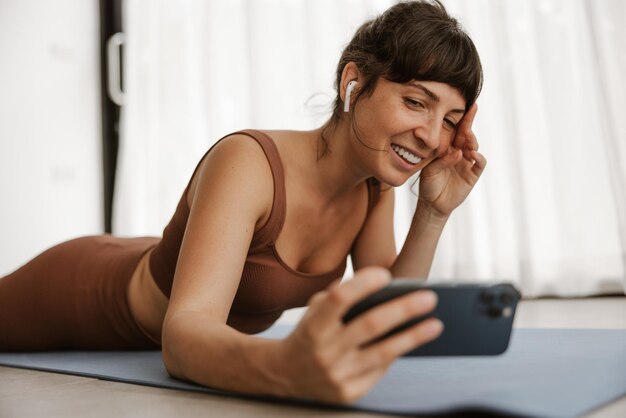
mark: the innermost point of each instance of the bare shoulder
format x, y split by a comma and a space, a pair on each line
290, 141
236, 166
230, 195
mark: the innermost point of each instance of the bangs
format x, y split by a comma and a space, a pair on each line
412, 40
449, 58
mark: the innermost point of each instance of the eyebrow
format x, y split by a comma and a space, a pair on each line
433, 96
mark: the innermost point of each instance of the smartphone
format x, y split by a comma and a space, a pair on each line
477, 318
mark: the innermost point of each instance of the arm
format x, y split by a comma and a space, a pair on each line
323, 358
375, 245
233, 193
418, 251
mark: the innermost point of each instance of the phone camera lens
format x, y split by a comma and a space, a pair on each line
494, 312
487, 297
507, 298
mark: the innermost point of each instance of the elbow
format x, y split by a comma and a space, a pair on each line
171, 365
170, 353
186, 339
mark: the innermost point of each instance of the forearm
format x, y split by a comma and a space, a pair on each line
215, 355
418, 251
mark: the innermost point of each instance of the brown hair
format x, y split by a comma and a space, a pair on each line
415, 40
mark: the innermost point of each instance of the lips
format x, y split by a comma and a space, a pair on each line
406, 155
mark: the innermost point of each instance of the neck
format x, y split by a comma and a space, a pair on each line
336, 172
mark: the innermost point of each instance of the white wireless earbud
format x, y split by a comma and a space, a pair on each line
346, 103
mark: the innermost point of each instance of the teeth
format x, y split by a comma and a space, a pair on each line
413, 159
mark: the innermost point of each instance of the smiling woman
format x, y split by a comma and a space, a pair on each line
550, 122
390, 54
229, 264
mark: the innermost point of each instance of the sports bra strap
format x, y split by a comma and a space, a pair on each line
268, 234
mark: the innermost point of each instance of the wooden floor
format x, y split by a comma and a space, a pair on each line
25, 393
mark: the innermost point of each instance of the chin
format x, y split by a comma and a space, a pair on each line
393, 181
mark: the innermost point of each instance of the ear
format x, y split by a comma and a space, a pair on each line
350, 72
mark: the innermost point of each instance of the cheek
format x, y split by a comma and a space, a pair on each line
448, 137
376, 124
384, 118
380, 115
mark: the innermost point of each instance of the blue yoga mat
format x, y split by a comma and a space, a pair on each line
545, 373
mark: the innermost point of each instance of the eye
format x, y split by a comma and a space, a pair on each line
413, 103
450, 123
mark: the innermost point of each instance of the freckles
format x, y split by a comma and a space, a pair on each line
395, 117
385, 112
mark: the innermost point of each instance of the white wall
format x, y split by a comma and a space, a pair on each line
50, 132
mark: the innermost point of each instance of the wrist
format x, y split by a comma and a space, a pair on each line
274, 369
425, 213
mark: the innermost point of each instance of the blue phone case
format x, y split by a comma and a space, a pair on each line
477, 318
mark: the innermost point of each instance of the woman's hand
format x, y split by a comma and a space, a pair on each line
328, 360
446, 181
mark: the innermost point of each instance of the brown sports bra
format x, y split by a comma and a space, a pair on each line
268, 285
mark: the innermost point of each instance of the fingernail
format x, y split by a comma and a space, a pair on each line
384, 274
433, 328
427, 297
380, 275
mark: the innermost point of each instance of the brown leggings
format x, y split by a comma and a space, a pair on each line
74, 296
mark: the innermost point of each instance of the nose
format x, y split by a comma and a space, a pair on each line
428, 134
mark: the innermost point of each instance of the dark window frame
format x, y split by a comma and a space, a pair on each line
110, 23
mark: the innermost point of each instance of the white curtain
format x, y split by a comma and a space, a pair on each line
196, 70
549, 213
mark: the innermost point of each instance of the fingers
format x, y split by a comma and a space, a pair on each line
347, 346
468, 118
376, 358
358, 385
471, 143
472, 166
328, 308
348, 382
480, 162
378, 321
332, 355
384, 352
439, 164
464, 137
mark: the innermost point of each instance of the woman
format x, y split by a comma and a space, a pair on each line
266, 224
